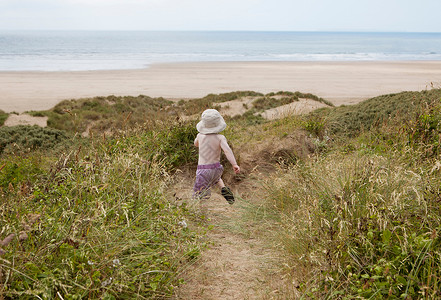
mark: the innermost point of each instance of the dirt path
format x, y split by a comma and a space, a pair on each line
238, 264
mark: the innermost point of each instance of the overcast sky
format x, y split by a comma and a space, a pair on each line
286, 15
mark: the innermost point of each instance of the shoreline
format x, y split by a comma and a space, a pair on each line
342, 83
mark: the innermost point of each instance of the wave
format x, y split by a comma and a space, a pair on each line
79, 51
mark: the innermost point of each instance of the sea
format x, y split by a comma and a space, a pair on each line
112, 50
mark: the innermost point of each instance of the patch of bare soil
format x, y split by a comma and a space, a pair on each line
236, 107
25, 119
303, 106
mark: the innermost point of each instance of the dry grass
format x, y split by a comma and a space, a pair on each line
363, 219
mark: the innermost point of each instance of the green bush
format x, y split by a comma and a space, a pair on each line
362, 221
22, 138
174, 145
314, 125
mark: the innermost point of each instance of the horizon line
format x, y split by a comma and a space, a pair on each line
221, 30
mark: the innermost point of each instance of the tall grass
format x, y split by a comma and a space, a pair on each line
363, 221
97, 222
360, 226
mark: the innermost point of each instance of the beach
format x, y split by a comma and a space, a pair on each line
342, 83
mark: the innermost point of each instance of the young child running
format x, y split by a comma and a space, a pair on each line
210, 144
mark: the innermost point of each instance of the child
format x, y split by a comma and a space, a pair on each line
210, 144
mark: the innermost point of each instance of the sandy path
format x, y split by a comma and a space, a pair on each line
339, 82
302, 106
25, 119
237, 263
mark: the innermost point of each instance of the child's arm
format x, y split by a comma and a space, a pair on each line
229, 154
196, 141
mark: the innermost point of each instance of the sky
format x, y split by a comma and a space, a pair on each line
258, 15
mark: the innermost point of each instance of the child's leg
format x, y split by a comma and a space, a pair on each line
221, 183
226, 192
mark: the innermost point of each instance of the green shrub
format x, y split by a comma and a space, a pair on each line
174, 145
22, 138
362, 221
314, 125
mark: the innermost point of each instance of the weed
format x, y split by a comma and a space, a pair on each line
315, 125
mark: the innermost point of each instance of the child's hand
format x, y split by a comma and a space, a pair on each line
236, 169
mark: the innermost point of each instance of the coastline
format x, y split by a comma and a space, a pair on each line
342, 83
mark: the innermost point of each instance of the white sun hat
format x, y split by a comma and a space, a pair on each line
211, 122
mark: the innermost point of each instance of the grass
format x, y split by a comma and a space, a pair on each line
273, 100
363, 227
362, 220
101, 114
356, 218
352, 120
96, 221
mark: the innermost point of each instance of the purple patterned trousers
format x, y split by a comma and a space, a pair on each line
206, 177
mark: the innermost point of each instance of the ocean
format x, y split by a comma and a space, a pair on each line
111, 50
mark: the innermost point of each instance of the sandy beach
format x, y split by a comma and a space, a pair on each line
339, 82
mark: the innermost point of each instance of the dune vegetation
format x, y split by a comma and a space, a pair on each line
350, 197
3, 117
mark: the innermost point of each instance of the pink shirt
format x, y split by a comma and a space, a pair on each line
210, 146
